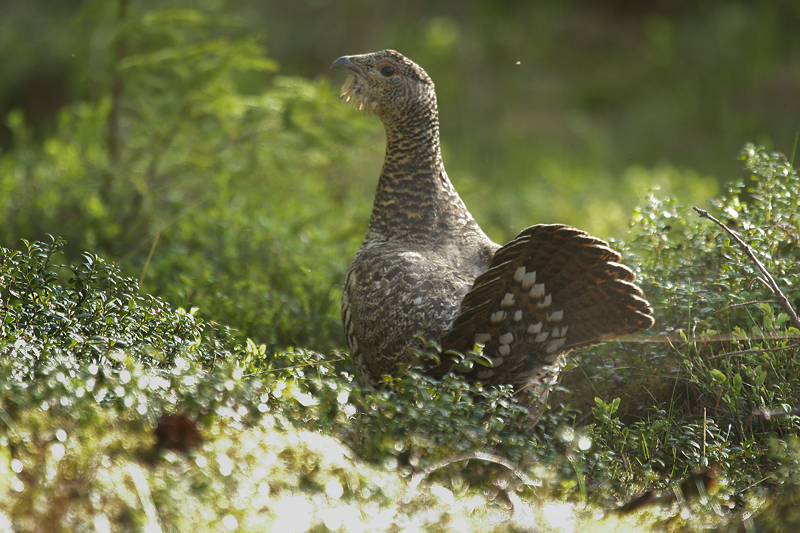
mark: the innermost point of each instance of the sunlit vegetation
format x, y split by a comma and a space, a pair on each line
170, 349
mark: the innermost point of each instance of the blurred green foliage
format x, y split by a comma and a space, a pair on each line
233, 203
94, 312
236, 197
545, 105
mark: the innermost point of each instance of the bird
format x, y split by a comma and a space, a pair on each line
426, 273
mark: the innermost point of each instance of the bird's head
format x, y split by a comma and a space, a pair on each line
387, 84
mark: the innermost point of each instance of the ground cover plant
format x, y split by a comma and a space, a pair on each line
120, 412
169, 359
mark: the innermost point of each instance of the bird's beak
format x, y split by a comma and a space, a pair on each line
346, 64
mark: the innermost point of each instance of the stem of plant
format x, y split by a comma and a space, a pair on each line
783, 301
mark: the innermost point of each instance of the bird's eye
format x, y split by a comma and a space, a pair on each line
387, 70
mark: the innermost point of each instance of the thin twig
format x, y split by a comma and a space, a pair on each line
480, 456
753, 484
149, 257
783, 301
117, 88
271, 370
740, 352
762, 280
743, 304
177, 218
769, 414
717, 337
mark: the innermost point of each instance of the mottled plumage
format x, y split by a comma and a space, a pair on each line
550, 290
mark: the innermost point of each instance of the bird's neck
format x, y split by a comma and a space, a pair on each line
415, 196
412, 145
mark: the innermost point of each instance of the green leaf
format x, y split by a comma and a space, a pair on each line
736, 385
718, 376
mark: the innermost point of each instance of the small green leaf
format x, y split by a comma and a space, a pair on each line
736, 385
465, 365
718, 376
614, 405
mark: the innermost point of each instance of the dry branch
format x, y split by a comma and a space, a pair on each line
783, 301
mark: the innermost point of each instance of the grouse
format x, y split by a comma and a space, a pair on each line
426, 270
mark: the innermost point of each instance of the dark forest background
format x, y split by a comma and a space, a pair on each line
549, 109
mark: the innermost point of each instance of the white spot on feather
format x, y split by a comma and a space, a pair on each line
537, 291
535, 328
560, 332
541, 337
555, 316
508, 300
546, 301
483, 338
503, 349
497, 316
506, 338
519, 274
528, 280
555, 344
518, 315
483, 374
